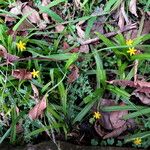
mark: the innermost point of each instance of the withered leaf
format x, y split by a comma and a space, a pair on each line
80, 32
35, 93
137, 84
116, 132
132, 7
7, 56
59, 28
84, 49
74, 74
143, 97
116, 118
38, 109
22, 74
45, 15
34, 17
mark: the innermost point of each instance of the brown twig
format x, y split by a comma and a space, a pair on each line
110, 34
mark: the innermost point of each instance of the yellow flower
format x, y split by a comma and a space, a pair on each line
35, 73
132, 51
137, 141
129, 42
21, 46
97, 115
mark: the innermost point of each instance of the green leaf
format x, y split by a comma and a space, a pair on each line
44, 9
140, 112
100, 72
83, 112
71, 60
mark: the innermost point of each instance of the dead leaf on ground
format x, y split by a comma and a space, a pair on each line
34, 17
132, 7
35, 93
45, 15
38, 109
59, 28
9, 57
22, 74
116, 118
143, 97
80, 32
74, 74
84, 49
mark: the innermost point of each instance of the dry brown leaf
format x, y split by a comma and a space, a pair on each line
74, 74
84, 49
132, 7
116, 118
59, 28
80, 32
65, 45
116, 132
9, 57
144, 97
22, 74
34, 17
38, 109
45, 15
121, 21
35, 93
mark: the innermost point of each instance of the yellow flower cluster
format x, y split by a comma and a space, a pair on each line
132, 50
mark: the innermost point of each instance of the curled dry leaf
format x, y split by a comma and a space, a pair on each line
22, 74
143, 97
9, 57
132, 7
35, 93
74, 74
80, 32
38, 109
116, 132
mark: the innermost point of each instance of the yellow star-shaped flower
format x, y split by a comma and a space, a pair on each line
21, 46
97, 115
35, 73
132, 51
137, 141
129, 42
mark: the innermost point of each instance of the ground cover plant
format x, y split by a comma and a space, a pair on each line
75, 71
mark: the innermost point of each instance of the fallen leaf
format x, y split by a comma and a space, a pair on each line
38, 109
74, 74
132, 7
45, 15
80, 32
116, 132
9, 57
65, 45
59, 28
22, 74
34, 17
143, 97
116, 118
35, 93
84, 49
